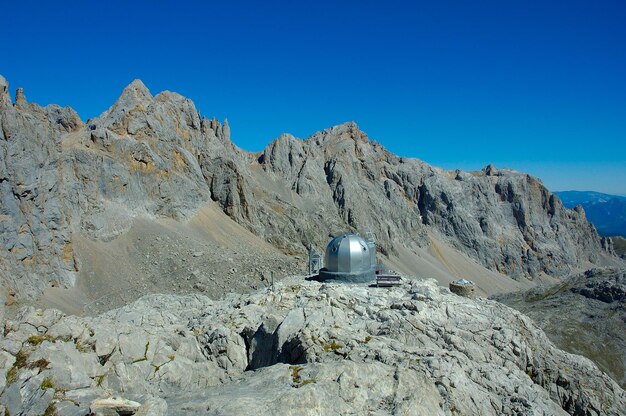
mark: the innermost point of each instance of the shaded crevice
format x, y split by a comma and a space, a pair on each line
263, 348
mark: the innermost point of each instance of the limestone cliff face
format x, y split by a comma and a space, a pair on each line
34, 216
146, 155
156, 156
506, 220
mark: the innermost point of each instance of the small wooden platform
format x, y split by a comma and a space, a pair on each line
388, 280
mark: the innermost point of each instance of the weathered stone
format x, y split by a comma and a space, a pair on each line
150, 156
312, 348
463, 287
152, 407
118, 405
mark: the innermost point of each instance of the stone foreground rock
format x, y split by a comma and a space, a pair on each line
306, 348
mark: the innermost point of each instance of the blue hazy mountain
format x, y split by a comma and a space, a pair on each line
606, 212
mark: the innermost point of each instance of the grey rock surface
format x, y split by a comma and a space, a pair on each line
305, 348
506, 220
585, 314
155, 157
60, 178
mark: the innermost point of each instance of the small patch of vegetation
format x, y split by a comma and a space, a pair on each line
100, 380
145, 354
296, 378
20, 358
11, 375
20, 362
47, 383
84, 348
38, 339
41, 364
295, 373
158, 367
333, 346
51, 410
367, 339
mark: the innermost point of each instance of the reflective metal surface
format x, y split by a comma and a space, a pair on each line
349, 259
348, 253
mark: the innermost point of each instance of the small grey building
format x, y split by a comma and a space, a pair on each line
349, 258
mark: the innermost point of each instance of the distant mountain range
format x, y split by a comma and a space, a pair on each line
68, 188
606, 212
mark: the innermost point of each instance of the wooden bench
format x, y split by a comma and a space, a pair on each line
388, 280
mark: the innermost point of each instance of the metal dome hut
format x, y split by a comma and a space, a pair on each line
350, 259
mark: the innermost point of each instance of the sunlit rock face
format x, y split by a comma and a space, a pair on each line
154, 156
316, 347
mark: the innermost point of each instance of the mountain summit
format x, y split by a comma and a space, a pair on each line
151, 198
66, 184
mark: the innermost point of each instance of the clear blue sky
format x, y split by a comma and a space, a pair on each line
539, 86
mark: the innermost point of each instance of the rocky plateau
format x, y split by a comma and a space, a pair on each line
303, 348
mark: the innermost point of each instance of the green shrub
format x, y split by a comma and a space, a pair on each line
47, 383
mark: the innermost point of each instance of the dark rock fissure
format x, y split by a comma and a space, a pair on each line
263, 348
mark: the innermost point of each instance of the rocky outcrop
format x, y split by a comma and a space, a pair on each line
585, 314
156, 157
35, 228
306, 347
59, 176
508, 221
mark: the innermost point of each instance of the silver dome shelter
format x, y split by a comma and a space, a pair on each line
350, 259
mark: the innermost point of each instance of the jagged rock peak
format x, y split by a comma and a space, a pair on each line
135, 91
226, 129
137, 85
347, 127
4, 91
135, 96
286, 137
491, 170
348, 130
20, 98
213, 127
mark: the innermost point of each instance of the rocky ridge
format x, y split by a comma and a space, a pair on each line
507, 221
155, 157
60, 178
585, 314
304, 348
